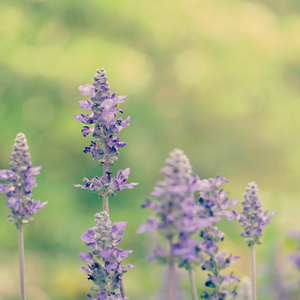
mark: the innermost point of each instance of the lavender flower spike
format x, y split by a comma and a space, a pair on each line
101, 122
254, 219
21, 179
215, 203
104, 126
177, 218
104, 260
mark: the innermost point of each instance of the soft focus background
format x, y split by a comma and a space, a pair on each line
218, 79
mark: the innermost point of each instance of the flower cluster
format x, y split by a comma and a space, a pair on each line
104, 261
21, 179
106, 186
176, 212
102, 122
254, 219
214, 203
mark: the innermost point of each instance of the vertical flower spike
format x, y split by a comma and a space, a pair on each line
253, 220
104, 260
214, 202
176, 217
102, 124
21, 179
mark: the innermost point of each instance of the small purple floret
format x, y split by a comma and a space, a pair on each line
106, 186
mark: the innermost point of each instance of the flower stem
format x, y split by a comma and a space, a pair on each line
22, 264
105, 198
253, 272
172, 274
122, 289
193, 284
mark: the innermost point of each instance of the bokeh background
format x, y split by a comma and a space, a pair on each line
218, 79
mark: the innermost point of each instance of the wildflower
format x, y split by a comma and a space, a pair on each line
175, 209
104, 260
177, 218
253, 219
106, 186
214, 202
101, 122
21, 179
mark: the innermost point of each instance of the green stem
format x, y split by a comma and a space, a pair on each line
22, 264
122, 289
172, 273
193, 284
253, 272
105, 198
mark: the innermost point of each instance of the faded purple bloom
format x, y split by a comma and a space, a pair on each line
101, 122
104, 261
212, 199
253, 218
177, 216
21, 179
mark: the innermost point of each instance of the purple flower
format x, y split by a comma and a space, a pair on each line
253, 218
215, 282
106, 186
118, 183
214, 203
177, 216
21, 179
104, 261
102, 121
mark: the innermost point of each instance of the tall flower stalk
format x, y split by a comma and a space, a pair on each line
21, 179
253, 221
215, 203
177, 219
103, 125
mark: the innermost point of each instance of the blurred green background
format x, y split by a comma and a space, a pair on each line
218, 79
